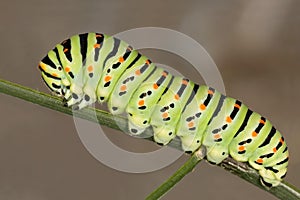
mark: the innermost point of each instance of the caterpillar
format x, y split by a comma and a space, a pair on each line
94, 67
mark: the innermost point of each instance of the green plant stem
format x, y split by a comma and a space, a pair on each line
284, 191
186, 168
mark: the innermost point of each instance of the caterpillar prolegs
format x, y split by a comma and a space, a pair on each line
94, 67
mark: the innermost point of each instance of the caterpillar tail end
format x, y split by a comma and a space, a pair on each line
270, 179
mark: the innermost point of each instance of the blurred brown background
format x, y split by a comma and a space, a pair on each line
255, 45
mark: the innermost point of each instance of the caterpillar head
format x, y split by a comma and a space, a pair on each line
52, 76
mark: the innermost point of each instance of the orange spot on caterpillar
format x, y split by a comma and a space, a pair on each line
96, 46
274, 149
262, 121
260, 160
254, 134
148, 62
164, 74
138, 72
121, 59
191, 124
165, 115
107, 78
123, 88
281, 140
54, 74
98, 35
202, 106
176, 96
141, 102
42, 66
217, 136
65, 50
210, 92
237, 106
67, 69
241, 148
90, 68
155, 86
228, 119
185, 82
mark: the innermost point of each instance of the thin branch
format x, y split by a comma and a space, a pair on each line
283, 191
186, 168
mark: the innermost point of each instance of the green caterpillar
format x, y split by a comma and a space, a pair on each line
94, 67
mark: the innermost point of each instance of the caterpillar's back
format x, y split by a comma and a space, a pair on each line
92, 66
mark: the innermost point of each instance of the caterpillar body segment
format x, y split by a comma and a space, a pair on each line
169, 108
144, 100
129, 81
198, 111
